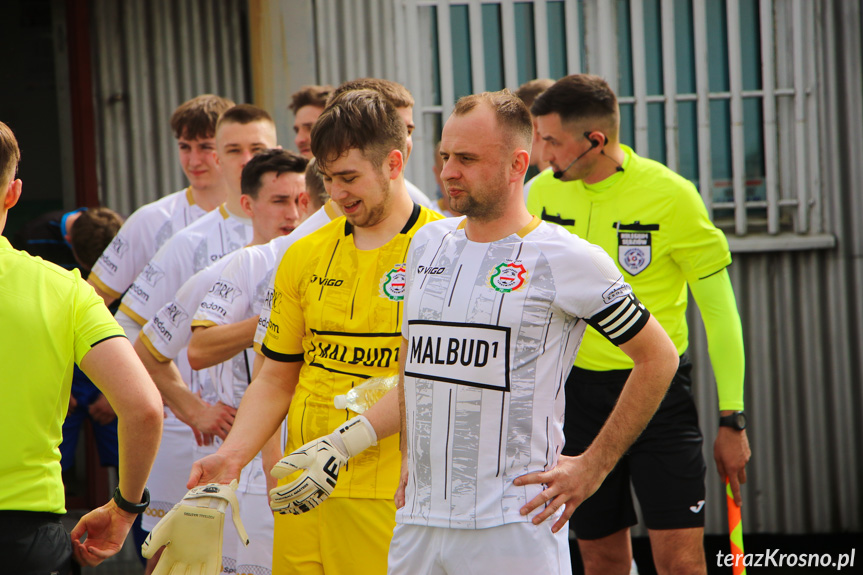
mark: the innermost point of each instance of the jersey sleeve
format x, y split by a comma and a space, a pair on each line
93, 321
700, 248
286, 325
227, 296
130, 250
170, 329
158, 281
598, 294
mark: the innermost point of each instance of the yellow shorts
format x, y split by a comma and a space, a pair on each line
342, 536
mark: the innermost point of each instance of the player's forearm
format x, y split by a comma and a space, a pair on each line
219, 343
718, 306
170, 384
655, 363
403, 435
384, 414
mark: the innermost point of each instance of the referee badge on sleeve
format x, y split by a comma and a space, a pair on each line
634, 246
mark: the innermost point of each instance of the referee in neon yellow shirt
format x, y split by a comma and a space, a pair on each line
51, 319
654, 225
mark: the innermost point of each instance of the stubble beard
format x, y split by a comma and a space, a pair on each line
377, 212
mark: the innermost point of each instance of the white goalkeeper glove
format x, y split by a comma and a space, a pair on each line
192, 531
321, 460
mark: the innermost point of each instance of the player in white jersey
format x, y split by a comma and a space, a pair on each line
275, 199
495, 308
328, 212
242, 131
150, 226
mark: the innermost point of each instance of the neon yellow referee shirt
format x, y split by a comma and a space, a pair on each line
654, 225
49, 319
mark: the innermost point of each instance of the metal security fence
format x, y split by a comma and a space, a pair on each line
722, 91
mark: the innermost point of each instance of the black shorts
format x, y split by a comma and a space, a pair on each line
34, 543
665, 464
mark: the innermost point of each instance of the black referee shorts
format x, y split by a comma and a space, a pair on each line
34, 543
665, 465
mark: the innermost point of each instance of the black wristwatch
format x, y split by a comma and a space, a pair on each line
736, 420
130, 507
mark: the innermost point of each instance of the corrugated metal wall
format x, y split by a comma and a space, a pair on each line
149, 56
803, 317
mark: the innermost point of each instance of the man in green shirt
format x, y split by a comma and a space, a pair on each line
51, 319
654, 225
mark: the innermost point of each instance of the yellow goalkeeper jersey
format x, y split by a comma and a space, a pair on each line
339, 310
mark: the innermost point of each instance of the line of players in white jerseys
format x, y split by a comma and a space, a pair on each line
195, 271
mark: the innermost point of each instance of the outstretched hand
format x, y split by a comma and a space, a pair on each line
567, 485
214, 468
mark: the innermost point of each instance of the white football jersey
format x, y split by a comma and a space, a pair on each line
141, 236
233, 295
167, 334
279, 246
189, 251
492, 331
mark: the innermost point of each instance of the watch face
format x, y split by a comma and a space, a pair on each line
735, 420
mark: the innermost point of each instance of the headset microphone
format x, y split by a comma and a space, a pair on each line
593, 143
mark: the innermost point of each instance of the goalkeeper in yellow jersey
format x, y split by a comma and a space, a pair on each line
335, 322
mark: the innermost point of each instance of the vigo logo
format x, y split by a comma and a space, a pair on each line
430, 270
327, 282
464, 353
508, 276
393, 283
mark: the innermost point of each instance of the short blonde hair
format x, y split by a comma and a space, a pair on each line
9, 154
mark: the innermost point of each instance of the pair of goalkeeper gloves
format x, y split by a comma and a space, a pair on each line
192, 530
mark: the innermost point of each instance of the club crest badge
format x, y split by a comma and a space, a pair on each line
508, 276
393, 283
633, 251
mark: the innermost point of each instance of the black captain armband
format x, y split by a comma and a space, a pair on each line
622, 320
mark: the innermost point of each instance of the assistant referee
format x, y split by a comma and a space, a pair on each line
654, 225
